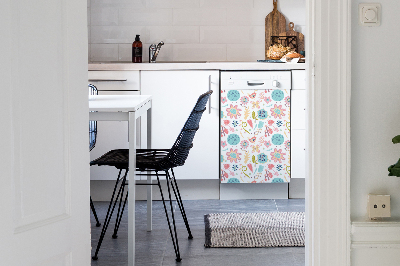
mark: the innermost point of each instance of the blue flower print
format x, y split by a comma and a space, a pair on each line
233, 180
233, 95
277, 95
262, 158
277, 180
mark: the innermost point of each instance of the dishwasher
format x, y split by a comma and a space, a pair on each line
255, 126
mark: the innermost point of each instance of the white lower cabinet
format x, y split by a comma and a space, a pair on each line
174, 96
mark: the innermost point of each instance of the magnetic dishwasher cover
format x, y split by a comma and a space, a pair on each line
255, 127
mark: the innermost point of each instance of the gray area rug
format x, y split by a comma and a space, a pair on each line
238, 230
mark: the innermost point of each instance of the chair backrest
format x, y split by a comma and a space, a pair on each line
180, 150
92, 124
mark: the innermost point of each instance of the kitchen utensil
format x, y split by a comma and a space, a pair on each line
292, 32
275, 23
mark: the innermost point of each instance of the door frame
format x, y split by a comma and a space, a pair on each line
328, 221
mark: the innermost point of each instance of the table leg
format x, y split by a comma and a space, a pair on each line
149, 178
132, 189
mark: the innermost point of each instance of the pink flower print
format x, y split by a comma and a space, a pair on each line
287, 100
244, 100
244, 144
226, 122
250, 167
226, 166
253, 95
277, 155
233, 155
233, 111
270, 166
270, 122
223, 100
223, 144
277, 111
250, 123
267, 100
253, 139
267, 144
270, 175
287, 145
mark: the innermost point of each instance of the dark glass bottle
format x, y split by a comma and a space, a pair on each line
137, 50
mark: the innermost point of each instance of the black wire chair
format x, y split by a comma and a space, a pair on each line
149, 161
92, 143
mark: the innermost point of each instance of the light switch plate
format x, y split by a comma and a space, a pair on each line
378, 206
369, 14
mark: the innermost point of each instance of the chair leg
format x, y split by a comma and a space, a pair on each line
109, 213
120, 211
174, 239
180, 203
94, 213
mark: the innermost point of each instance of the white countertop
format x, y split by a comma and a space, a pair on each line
196, 66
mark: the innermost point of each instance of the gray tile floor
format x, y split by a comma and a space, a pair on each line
155, 248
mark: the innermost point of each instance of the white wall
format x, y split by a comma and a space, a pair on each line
375, 108
193, 30
375, 120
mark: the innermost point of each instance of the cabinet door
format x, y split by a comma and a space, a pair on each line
174, 96
298, 109
298, 154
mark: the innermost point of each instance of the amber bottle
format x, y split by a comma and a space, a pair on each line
137, 50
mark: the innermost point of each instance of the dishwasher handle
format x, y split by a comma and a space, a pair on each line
249, 83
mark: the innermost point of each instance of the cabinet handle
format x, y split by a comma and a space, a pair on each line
209, 99
254, 83
100, 80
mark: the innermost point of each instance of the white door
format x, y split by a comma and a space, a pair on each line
44, 191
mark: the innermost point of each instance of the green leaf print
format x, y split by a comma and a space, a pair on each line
253, 159
253, 114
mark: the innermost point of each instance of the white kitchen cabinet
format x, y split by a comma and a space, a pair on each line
298, 124
112, 134
174, 96
298, 109
298, 154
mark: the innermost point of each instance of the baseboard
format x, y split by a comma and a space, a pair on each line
375, 243
297, 188
254, 191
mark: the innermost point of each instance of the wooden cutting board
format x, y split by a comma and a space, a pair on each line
275, 23
292, 32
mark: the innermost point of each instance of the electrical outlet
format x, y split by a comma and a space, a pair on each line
378, 206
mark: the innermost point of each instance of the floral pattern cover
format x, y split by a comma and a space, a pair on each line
255, 136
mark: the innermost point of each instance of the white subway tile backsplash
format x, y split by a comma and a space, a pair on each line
125, 52
245, 52
246, 17
145, 17
199, 52
192, 30
224, 34
173, 34
115, 34
105, 16
172, 3
104, 52
199, 16
119, 3
226, 3
214, 3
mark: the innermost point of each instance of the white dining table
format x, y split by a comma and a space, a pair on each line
127, 108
